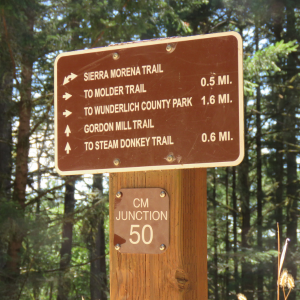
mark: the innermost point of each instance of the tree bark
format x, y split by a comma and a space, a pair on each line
216, 279
291, 139
243, 184
18, 229
5, 135
259, 192
277, 9
227, 242
5, 124
64, 283
234, 216
98, 276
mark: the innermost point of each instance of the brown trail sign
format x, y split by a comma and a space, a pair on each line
164, 104
159, 106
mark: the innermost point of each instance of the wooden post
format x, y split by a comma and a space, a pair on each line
180, 273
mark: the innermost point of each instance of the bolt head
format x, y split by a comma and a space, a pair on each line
118, 194
162, 194
117, 247
162, 247
170, 158
116, 56
169, 48
116, 162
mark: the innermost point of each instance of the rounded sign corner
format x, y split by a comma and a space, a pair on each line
239, 159
60, 172
58, 57
236, 35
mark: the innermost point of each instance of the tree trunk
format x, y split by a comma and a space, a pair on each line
235, 246
277, 26
243, 183
64, 283
18, 229
259, 193
98, 276
227, 242
5, 136
5, 126
247, 280
291, 156
216, 279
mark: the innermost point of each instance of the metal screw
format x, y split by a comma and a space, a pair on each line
169, 48
170, 158
118, 247
162, 247
118, 194
162, 194
116, 162
116, 56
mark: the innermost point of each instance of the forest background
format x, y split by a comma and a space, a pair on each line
54, 230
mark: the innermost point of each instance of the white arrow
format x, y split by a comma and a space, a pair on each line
66, 96
68, 148
67, 131
69, 78
66, 113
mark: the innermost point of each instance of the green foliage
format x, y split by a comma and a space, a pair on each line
263, 62
271, 77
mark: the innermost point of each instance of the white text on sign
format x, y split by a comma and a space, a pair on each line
140, 233
123, 72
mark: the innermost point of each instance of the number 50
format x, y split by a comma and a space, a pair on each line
138, 236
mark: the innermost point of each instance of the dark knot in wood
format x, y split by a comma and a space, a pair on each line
182, 279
